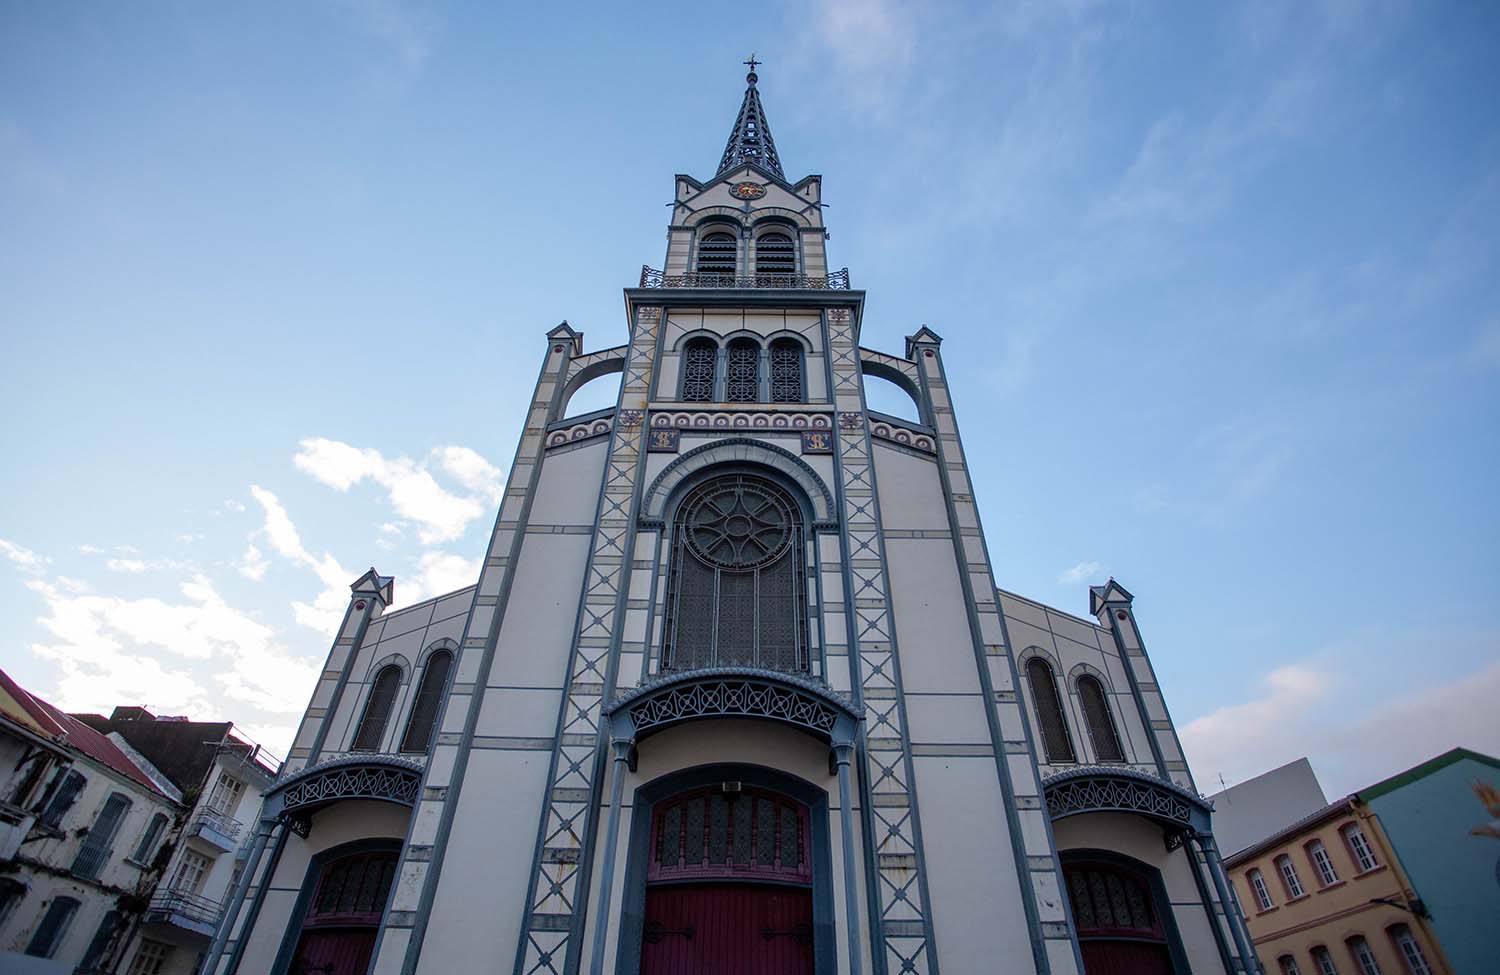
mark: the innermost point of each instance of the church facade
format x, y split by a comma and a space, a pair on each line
735, 690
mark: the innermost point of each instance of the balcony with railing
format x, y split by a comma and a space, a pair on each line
180, 908
218, 828
833, 281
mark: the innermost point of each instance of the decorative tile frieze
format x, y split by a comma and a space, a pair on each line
898, 434
579, 431
737, 420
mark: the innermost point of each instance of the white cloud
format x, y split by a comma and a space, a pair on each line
413, 491
253, 564
24, 558
230, 504
1081, 572
135, 566
326, 611
188, 538
437, 573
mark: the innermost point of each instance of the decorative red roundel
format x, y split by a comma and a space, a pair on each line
747, 191
360, 604
1119, 614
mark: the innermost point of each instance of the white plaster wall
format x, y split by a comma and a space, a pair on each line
1138, 838
568, 489
537, 632
911, 493
343, 822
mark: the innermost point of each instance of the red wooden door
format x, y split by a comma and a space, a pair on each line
334, 951
727, 929
1125, 958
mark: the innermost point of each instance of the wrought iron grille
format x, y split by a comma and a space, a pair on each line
184, 903
734, 695
747, 834
698, 362
833, 281
786, 372
737, 595
392, 780
1115, 793
742, 373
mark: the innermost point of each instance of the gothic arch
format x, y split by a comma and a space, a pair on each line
603, 366
741, 451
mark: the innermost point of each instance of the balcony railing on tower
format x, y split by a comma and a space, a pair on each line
834, 281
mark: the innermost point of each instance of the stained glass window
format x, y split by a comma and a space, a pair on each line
1101, 725
722, 832
1049, 713
742, 372
786, 371
737, 591
699, 362
1111, 901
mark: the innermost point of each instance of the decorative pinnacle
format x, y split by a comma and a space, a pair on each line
750, 141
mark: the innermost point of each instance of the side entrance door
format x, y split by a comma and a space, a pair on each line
727, 929
338, 931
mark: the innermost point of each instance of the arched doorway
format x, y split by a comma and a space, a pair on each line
342, 916
729, 881
1120, 916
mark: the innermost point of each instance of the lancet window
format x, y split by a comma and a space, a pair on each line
1101, 725
786, 371
737, 590
378, 709
1049, 712
716, 255
429, 699
742, 372
699, 367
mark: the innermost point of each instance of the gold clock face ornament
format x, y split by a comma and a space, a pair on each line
747, 191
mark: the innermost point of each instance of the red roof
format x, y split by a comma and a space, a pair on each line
67, 730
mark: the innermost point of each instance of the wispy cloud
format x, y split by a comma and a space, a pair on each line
326, 611
23, 558
408, 31
1082, 572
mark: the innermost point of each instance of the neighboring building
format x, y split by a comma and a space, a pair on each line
1396, 879
84, 818
734, 690
1443, 821
222, 777
1254, 809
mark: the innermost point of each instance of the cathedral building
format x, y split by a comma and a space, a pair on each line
735, 690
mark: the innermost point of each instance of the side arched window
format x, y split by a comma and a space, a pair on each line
424, 710
700, 360
1049, 713
742, 372
775, 257
1101, 724
377, 710
716, 256
786, 372
737, 595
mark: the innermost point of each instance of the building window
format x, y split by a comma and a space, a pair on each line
786, 371
60, 798
1262, 892
1289, 877
99, 946
1101, 724
716, 257
1323, 958
1411, 952
12, 892
54, 927
1288, 965
745, 835
1359, 847
35, 766
147, 845
225, 798
742, 372
378, 709
94, 852
1118, 916
1322, 863
699, 367
737, 595
1049, 713
190, 873
151, 958
429, 698
1364, 958
775, 260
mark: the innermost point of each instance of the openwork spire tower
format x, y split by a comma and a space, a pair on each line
750, 141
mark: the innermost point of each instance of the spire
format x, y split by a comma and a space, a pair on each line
751, 141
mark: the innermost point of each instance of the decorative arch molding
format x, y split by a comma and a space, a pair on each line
1047, 655
383, 778
390, 660
715, 214
733, 692
737, 450
1087, 669
771, 216
1093, 788
444, 643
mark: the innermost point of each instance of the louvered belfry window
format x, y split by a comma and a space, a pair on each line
737, 595
786, 371
429, 699
775, 259
699, 361
1101, 725
1049, 713
716, 255
742, 372
378, 710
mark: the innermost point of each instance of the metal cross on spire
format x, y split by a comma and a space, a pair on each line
750, 141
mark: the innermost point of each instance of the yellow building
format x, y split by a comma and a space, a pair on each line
1328, 896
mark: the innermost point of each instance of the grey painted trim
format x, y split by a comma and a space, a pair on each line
611, 853
841, 757
253, 917
1140, 699
1207, 904
481, 679
632, 908
231, 914
338, 688
1237, 925
1007, 787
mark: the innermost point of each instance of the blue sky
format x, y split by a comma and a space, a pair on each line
1219, 284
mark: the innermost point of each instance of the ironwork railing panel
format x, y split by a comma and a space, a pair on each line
194, 907
220, 822
833, 281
